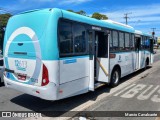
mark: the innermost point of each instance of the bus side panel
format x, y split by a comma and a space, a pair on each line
73, 69
142, 59
133, 61
147, 55
118, 60
73, 88
74, 76
129, 62
126, 62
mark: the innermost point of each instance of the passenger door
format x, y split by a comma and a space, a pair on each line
98, 57
101, 56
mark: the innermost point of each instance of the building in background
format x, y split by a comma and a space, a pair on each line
158, 40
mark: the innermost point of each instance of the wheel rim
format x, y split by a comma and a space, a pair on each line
115, 77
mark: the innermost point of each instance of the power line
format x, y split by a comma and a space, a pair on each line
136, 22
153, 29
126, 17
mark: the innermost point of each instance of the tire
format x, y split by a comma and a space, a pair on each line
115, 77
145, 67
0, 82
146, 64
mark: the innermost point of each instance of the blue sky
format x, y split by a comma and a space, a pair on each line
145, 14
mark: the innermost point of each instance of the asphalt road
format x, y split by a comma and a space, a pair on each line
146, 98
12, 100
143, 95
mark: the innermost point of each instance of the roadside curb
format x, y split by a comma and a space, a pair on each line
158, 118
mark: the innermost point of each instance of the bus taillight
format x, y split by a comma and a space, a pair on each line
45, 79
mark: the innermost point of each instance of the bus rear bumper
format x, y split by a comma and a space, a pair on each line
48, 92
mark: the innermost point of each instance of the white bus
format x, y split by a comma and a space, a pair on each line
54, 54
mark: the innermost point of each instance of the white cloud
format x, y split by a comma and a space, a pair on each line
24, 5
143, 13
146, 23
142, 17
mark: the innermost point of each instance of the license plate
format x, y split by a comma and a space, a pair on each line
22, 77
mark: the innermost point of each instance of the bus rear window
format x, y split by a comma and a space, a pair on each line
72, 39
65, 35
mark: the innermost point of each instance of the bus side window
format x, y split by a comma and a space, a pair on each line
121, 41
65, 36
90, 44
79, 35
110, 41
147, 43
115, 40
142, 42
127, 48
137, 45
131, 42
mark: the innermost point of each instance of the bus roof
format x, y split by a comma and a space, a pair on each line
147, 34
85, 19
36, 10
93, 21
117, 23
142, 33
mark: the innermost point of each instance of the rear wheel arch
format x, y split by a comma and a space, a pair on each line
117, 66
116, 70
147, 61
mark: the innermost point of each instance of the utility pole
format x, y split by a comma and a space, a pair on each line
153, 33
126, 17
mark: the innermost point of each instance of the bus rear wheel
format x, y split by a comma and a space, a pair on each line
115, 77
146, 64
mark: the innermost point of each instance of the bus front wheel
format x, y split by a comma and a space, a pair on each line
115, 77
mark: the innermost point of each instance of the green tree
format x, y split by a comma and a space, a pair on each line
3, 22
81, 12
95, 15
4, 19
70, 10
99, 16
